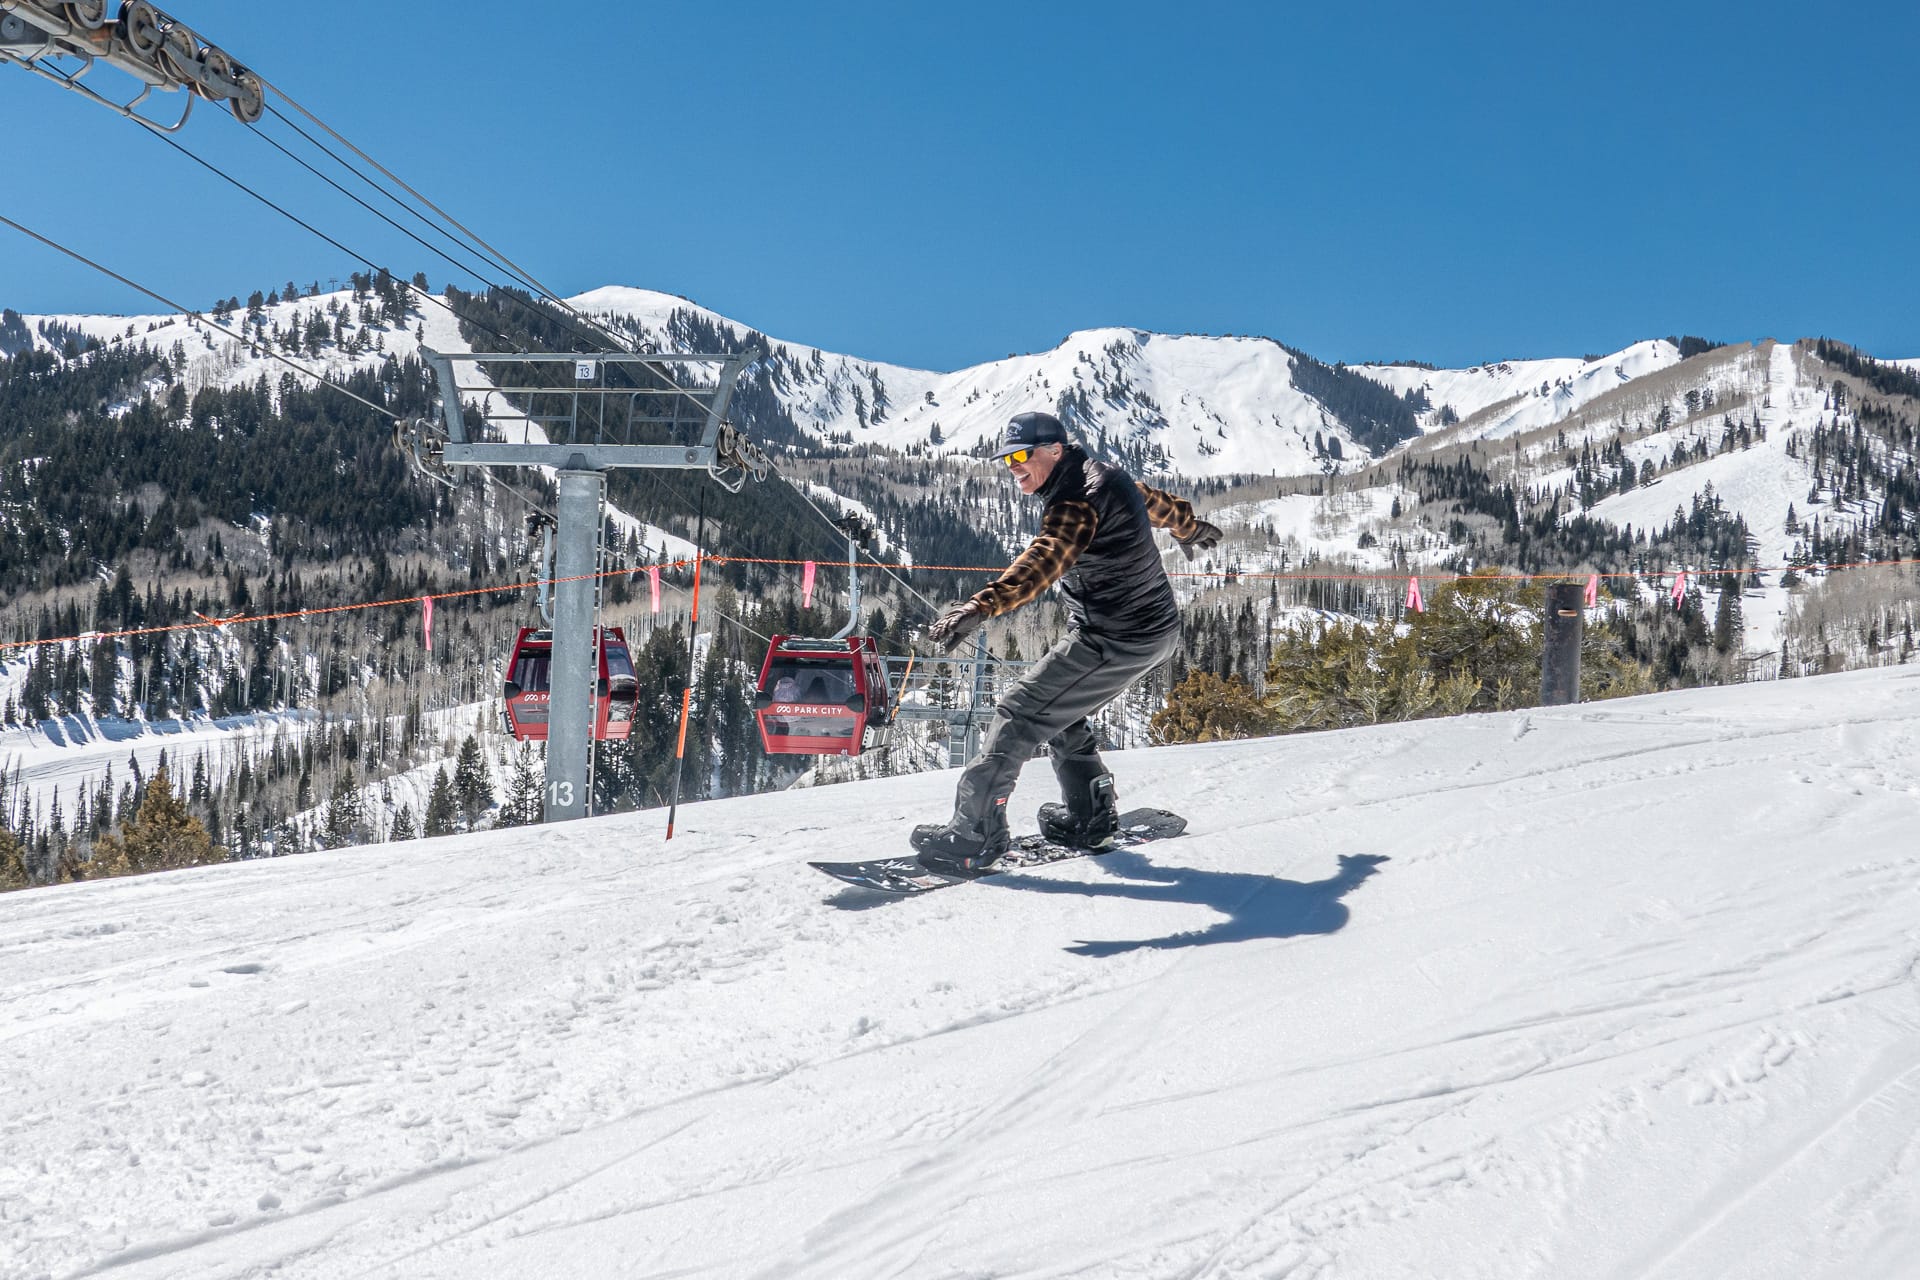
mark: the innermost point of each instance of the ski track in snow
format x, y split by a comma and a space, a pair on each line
1618, 990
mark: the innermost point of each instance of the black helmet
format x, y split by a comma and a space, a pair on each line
1026, 430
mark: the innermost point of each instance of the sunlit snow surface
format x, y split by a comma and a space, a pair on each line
1633, 995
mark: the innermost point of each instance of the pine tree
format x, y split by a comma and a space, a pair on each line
1727, 622
13, 862
403, 827
524, 803
160, 835
441, 806
106, 672
341, 824
472, 788
56, 829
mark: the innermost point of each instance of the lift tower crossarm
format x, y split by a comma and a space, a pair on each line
618, 412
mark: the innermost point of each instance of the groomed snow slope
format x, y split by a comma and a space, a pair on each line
1634, 995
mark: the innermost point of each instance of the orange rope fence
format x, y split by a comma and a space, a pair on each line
324, 610
1221, 575
1394, 575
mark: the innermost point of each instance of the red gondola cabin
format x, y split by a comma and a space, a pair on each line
822, 697
529, 677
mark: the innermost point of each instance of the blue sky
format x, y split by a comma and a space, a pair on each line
937, 185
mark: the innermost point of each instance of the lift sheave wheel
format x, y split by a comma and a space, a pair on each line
250, 99
140, 28
180, 57
90, 15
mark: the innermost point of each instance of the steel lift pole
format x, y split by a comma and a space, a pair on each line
575, 663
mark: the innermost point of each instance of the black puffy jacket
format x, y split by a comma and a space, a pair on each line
1117, 586
1096, 540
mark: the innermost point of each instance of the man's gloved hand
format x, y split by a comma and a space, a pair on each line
955, 623
1205, 537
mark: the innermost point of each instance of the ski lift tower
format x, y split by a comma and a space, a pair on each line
581, 415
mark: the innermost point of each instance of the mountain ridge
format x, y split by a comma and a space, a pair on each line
1187, 404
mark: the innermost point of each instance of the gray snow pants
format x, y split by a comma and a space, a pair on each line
1051, 704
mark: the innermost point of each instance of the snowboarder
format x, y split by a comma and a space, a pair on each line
1096, 540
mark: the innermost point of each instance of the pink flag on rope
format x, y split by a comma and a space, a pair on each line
1593, 590
1679, 588
1414, 602
426, 618
806, 585
653, 585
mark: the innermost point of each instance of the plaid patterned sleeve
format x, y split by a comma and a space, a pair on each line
1064, 534
1170, 513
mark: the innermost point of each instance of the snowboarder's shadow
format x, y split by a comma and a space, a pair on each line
1253, 906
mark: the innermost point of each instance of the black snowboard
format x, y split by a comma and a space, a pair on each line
906, 875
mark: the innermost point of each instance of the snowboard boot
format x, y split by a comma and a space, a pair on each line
957, 848
1089, 821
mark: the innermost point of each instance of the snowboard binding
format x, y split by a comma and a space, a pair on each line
1093, 823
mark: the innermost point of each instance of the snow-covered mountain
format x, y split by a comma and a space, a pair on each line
1203, 405
1199, 405
1513, 396
1618, 990
1235, 406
